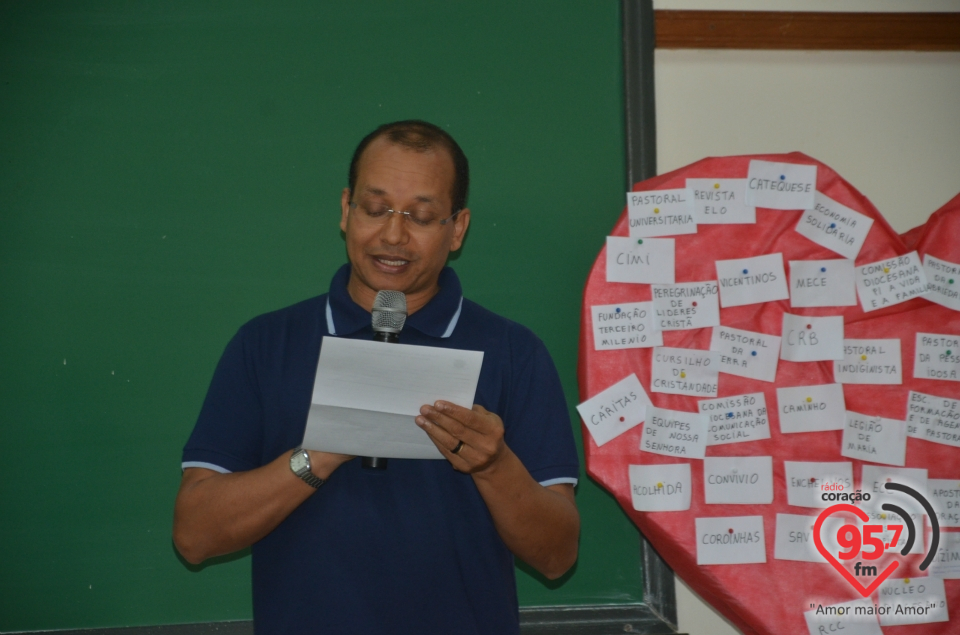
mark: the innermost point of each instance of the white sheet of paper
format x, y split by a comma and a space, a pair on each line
781, 185
660, 213
720, 201
610, 413
874, 439
660, 488
887, 282
366, 395
844, 619
811, 339
946, 564
933, 418
869, 362
736, 419
834, 226
625, 325
674, 433
688, 305
685, 371
811, 408
822, 283
944, 495
641, 260
738, 480
937, 357
746, 353
807, 480
943, 281
912, 592
752, 280
794, 537
872, 480
730, 540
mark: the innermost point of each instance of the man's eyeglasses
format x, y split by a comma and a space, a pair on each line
422, 221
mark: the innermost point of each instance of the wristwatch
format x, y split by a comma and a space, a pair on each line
300, 465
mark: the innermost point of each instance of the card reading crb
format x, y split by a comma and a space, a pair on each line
811, 339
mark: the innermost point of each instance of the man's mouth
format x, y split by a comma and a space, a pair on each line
392, 262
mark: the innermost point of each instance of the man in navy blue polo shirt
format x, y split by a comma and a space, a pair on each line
419, 547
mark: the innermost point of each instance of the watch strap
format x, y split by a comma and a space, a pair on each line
304, 472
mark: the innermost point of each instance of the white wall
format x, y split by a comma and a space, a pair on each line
888, 122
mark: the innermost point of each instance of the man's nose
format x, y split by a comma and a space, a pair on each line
394, 231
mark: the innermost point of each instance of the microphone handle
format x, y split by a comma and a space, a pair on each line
372, 462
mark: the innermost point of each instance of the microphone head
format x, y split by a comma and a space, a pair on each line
389, 312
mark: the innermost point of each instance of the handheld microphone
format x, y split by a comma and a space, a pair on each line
387, 318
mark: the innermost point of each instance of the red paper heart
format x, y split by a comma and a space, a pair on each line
769, 598
864, 591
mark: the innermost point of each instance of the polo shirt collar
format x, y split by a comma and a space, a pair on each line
438, 318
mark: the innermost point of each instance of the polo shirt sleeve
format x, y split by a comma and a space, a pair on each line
536, 418
228, 436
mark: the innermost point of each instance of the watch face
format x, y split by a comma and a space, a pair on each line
300, 462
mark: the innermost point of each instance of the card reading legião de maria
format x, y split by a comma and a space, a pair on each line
874, 439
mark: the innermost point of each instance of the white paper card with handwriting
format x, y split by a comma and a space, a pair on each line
856, 617
874, 439
943, 281
720, 201
685, 371
887, 282
933, 418
624, 325
811, 339
944, 495
735, 419
946, 564
640, 260
620, 407
937, 357
688, 305
738, 480
822, 283
660, 213
869, 362
912, 601
752, 280
663, 487
794, 539
835, 226
746, 353
872, 481
730, 540
811, 408
674, 433
807, 481
781, 185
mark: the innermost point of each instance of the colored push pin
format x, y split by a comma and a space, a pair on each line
950, 281
783, 177
716, 186
682, 374
621, 419
694, 303
889, 479
823, 269
863, 357
833, 225
949, 353
754, 353
744, 272
809, 399
730, 531
640, 242
883, 516
886, 270
729, 415
659, 484
656, 210
813, 479
906, 580
809, 326
618, 309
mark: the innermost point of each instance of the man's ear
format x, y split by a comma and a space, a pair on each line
345, 197
460, 225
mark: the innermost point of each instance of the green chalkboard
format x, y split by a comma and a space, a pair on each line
172, 169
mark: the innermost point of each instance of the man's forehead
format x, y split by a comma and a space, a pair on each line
435, 163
